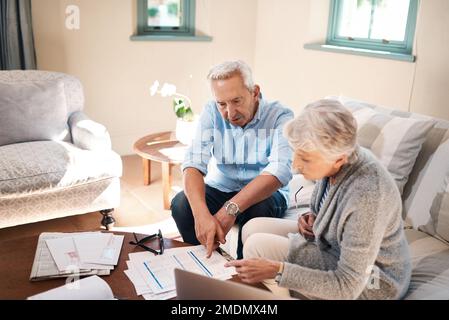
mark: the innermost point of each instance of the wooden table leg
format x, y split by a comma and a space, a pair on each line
146, 172
166, 183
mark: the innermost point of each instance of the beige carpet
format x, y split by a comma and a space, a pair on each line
141, 208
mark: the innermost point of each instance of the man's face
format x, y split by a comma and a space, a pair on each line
234, 101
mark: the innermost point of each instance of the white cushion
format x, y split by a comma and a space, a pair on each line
32, 111
35, 167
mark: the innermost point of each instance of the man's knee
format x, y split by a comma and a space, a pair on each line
265, 209
180, 206
261, 209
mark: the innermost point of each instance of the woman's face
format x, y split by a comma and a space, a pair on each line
313, 166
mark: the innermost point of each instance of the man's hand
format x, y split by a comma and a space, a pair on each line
226, 220
255, 270
208, 231
305, 225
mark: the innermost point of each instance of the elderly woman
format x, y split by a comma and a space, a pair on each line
352, 245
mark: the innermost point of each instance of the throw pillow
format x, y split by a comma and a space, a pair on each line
396, 141
439, 214
32, 111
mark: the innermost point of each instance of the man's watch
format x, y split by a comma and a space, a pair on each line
232, 208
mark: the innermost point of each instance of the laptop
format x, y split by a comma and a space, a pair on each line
192, 286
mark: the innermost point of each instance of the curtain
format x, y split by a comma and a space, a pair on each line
16, 35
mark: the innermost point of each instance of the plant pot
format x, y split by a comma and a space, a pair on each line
185, 130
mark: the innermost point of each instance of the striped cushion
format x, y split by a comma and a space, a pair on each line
438, 224
395, 140
427, 180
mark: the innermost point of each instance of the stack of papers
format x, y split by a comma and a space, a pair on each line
153, 276
75, 254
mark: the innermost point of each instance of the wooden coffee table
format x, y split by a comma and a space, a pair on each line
151, 148
16, 260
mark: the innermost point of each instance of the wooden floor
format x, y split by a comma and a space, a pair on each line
141, 208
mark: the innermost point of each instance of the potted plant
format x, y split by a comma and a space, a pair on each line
182, 106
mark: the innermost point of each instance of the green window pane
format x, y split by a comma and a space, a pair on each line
390, 20
164, 13
355, 17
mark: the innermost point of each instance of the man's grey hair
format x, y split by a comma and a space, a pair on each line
325, 126
228, 69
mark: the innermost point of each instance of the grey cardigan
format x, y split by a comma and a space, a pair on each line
360, 250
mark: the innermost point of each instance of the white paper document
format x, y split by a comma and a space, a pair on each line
99, 251
103, 249
66, 256
44, 266
92, 288
157, 272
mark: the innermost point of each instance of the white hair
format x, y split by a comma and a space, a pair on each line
325, 126
228, 69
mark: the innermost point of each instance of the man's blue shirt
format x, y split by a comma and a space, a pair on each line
231, 157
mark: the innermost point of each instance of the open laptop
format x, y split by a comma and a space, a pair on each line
192, 286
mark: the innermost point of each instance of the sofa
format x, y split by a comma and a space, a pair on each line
54, 160
415, 150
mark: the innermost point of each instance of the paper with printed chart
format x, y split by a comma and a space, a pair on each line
157, 272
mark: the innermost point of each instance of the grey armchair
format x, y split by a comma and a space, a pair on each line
54, 160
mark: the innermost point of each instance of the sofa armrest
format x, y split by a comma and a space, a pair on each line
88, 134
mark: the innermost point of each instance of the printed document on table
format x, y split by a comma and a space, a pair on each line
92, 288
158, 271
103, 248
139, 283
142, 289
44, 267
66, 256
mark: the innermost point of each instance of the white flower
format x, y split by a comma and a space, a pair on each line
154, 88
182, 103
168, 90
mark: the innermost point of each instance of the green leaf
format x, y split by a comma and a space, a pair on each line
182, 110
188, 115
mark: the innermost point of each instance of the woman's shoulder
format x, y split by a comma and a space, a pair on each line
369, 174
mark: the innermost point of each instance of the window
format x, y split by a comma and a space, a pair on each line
166, 17
380, 25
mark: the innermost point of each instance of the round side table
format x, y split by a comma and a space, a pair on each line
163, 148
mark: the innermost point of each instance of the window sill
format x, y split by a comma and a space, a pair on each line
169, 38
361, 52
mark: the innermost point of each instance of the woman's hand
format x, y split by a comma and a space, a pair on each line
305, 225
255, 270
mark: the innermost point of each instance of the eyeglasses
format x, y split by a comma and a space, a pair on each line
296, 197
141, 242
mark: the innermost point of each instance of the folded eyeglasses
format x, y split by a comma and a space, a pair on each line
141, 242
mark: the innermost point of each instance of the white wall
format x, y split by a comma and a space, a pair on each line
297, 76
268, 34
117, 73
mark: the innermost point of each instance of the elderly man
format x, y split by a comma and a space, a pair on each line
239, 164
